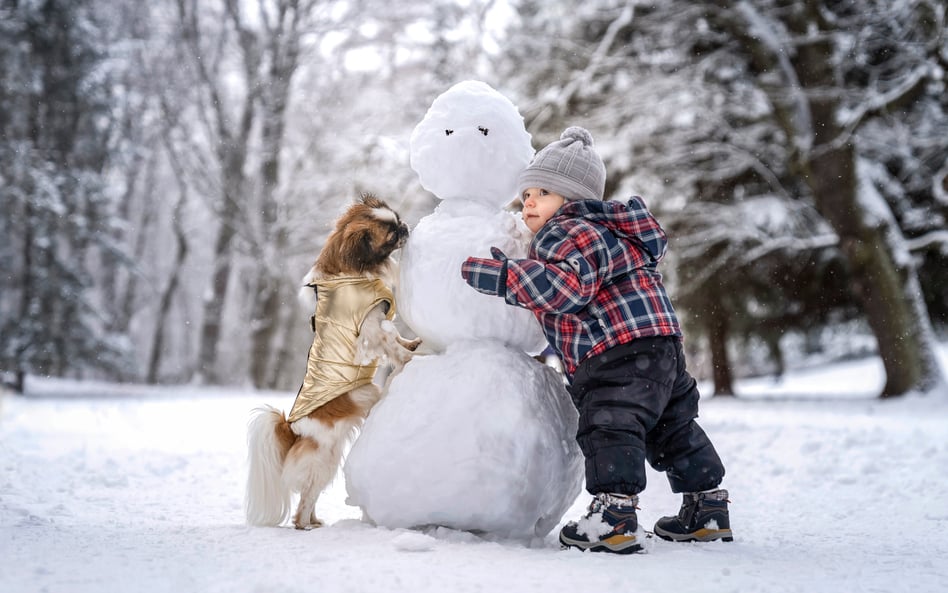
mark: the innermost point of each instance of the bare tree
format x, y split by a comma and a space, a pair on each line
227, 123
277, 41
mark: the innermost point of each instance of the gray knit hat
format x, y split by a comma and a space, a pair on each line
570, 167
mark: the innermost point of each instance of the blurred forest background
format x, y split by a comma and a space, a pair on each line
169, 169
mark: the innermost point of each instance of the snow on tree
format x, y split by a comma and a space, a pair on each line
732, 102
57, 213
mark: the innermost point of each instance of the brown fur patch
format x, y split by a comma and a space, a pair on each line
303, 448
285, 436
336, 410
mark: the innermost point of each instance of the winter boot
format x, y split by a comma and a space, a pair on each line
609, 525
703, 518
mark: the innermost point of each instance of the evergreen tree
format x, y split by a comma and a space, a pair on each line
54, 102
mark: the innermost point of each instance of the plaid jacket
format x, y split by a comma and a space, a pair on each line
590, 278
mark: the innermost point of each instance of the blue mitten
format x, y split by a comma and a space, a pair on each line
488, 276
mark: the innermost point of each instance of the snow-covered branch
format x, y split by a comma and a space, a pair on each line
938, 185
795, 244
595, 63
743, 233
876, 104
928, 241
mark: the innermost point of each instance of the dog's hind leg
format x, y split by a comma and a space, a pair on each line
299, 475
308, 470
306, 511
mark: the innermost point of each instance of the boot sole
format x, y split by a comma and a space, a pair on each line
628, 546
701, 535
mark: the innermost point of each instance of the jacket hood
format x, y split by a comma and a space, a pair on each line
628, 220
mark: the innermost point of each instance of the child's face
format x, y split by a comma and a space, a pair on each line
539, 206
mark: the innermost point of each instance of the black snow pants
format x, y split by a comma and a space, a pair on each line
636, 402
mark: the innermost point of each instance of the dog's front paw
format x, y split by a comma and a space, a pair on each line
401, 357
412, 345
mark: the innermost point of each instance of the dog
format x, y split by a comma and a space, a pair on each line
302, 452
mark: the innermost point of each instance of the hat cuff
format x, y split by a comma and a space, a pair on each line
555, 182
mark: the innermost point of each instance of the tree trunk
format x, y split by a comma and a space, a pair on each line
167, 297
27, 297
214, 302
270, 276
111, 264
123, 316
287, 368
232, 143
879, 281
266, 309
282, 48
716, 321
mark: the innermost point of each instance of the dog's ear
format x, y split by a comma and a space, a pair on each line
359, 252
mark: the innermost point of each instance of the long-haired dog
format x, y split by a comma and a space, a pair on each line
353, 331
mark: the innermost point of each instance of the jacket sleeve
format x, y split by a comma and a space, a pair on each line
566, 283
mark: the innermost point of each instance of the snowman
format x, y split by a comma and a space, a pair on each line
476, 435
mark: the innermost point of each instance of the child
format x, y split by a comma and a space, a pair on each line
591, 281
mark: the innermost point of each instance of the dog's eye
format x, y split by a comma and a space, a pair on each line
482, 130
448, 132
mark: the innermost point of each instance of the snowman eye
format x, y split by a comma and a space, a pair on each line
482, 130
448, 132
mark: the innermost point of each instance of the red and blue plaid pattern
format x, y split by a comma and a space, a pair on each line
485, 274
590, 278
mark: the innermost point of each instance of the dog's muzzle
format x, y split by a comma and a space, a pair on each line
402, 233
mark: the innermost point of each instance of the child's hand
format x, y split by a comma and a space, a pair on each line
488, 276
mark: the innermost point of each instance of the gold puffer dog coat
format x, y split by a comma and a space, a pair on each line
342, 304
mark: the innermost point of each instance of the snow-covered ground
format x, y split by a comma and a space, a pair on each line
110, 488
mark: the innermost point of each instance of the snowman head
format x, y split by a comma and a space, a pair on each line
472, 145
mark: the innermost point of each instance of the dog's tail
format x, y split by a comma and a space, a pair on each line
269, 438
